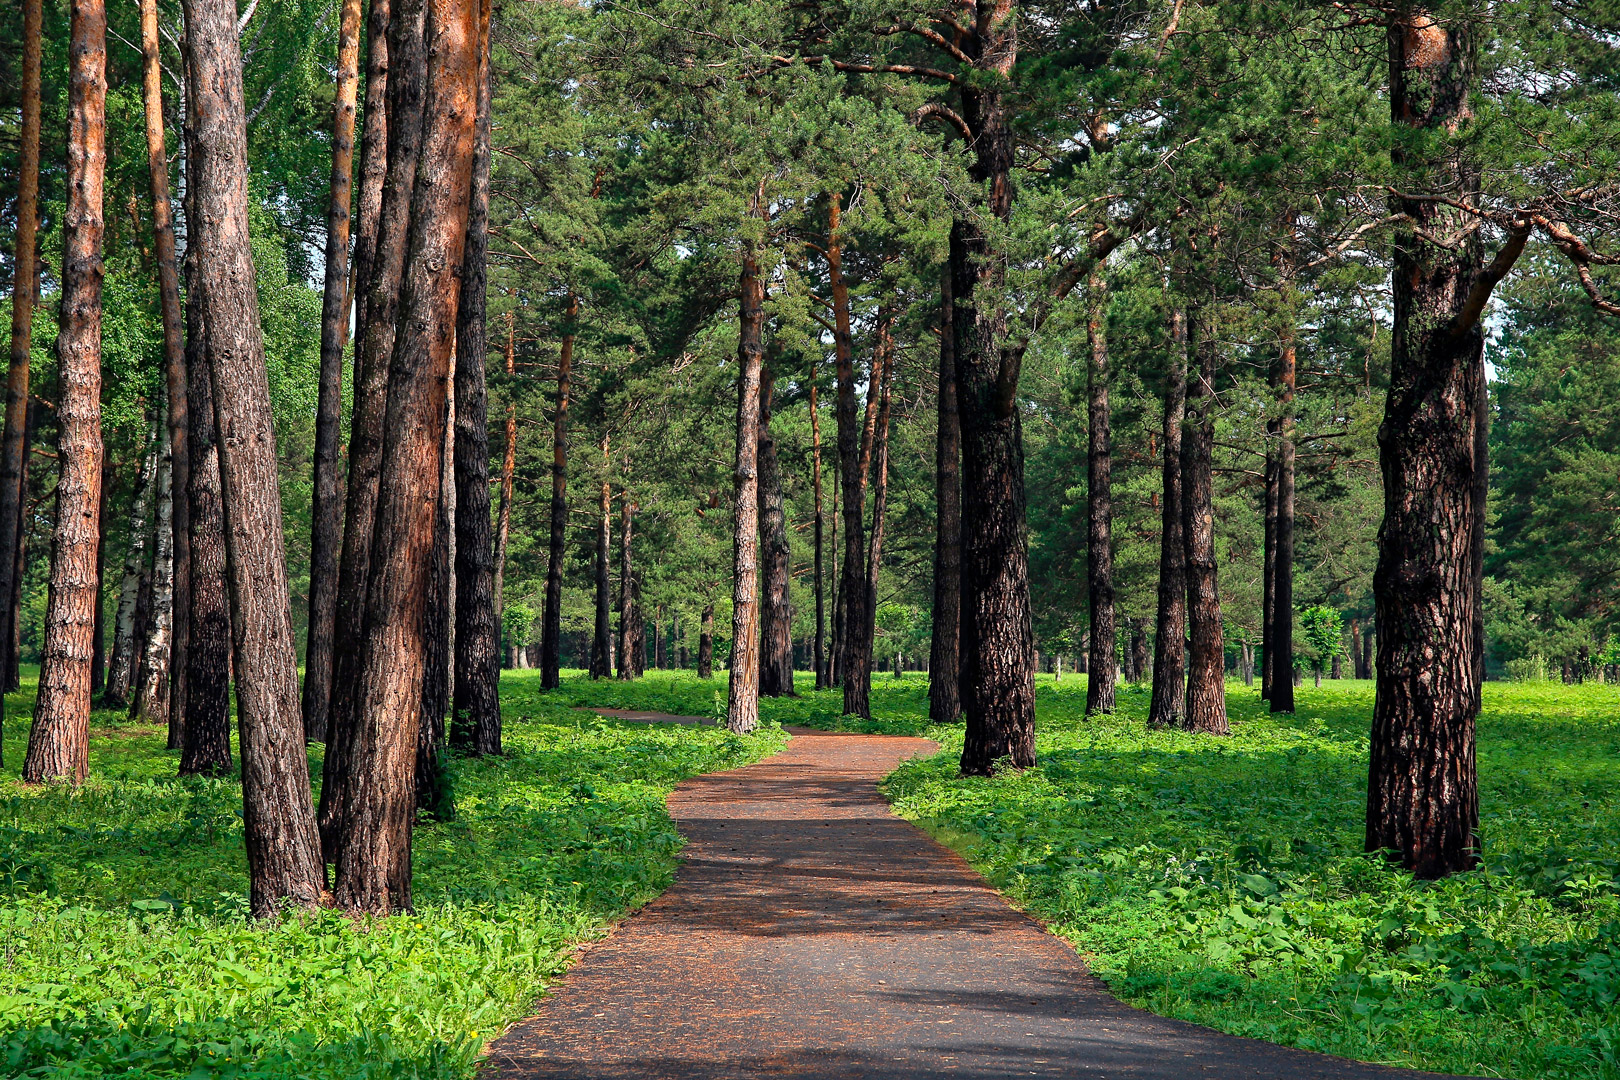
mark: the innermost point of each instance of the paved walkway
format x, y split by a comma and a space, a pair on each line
811, 933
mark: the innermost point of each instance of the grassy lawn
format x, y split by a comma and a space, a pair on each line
1222, 880
125, 949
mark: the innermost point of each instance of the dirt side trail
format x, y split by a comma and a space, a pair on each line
811, 933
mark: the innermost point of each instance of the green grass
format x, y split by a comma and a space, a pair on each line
1222, 880
125, 949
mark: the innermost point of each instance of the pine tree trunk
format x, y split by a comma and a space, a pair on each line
59, 741
1099, 504
1206, 659
477, 698
1139, 650
998, 644
602, 638
121, 671
1355, 650
819, 655
1281, 641
944, 656
374, 347
14, 442
1268, 594
374, 852
853, 656
326, 515
776, 559
503, 525
151, 704
742, 699
1170, 628
206, 741
705, 657
433, 794
884, 375
551, 623
638, 629
627, 616
98, 646
284, 865
1422, 791
835, 654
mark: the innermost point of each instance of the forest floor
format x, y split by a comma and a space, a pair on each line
1212, 880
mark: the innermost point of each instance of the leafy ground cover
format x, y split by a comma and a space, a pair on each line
1222, 880
125, 949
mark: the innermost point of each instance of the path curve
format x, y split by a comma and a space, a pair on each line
812, 933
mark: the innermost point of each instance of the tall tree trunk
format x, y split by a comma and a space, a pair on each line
1099, 504
638, 628
174, 364
776, 559
406, 73
742, 699
835, 651
819, 655
883, 373
705, 657
853, 655
1170, 629
284, 864
503, 525
374, 855
477, 698
602, 638
944, 657
121, 672
551, 623
1206, 654
627, 599
327, 513
59, 741
1355, 650
206, 740
1268, 594
1280, 644
998, 642
1139, 649
1422, 791
151, 703
98, 649
14, 442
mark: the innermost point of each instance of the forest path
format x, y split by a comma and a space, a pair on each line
812, 933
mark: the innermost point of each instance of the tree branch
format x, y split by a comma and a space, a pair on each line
946, 113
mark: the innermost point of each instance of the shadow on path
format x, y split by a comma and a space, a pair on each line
811, 933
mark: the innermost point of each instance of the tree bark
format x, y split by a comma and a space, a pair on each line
1206, 659
1422, 791
602, 638
1280, 643
374, 854
25, 256
98, 650
503, 527
1099, 504
819, 655
59, 741
284, 865
944, 657
883, 373
433, 794
628, 668
1268, 595
854, 654
326, 516
742, 699
151, 703
206, 739
705, 657
477, 703
551, 623
776, 559
1165, 708
406, 73
1139, 649
998, 642
121, 671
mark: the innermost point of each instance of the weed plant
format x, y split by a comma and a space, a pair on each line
126, 949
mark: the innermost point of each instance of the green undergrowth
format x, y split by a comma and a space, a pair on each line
1221, 880
125, 948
